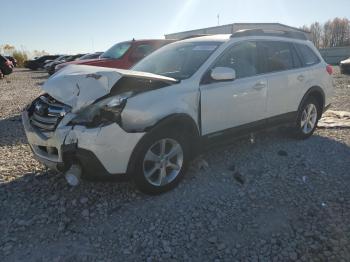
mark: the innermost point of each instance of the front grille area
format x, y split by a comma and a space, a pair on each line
46, 113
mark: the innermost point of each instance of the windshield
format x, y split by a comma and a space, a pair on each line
179, 60
117, 51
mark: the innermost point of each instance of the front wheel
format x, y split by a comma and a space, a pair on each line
307, 118
161, 162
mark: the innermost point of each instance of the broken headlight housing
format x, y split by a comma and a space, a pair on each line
103, 112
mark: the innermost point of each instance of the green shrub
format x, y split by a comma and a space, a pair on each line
20, 56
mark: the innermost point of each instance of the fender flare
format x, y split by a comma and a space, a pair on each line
312, 90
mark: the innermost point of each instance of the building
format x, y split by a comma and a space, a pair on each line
334, 55
231, 28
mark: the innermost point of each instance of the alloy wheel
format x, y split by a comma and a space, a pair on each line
163, 162
308, 118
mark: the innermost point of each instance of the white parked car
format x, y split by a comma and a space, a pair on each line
149, 122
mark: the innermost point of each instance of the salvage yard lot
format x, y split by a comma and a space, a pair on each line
276, 199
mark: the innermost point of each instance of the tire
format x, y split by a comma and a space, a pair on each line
156, 172
6, 70
308, 116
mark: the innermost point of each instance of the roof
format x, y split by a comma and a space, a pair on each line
240, 24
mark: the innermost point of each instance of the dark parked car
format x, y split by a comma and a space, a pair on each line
69, 58
6, 66
12, 59
91, 56
345, 66
50, 62
39, 62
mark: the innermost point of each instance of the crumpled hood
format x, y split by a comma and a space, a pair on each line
79, 85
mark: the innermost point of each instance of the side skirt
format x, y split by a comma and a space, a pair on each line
232, 134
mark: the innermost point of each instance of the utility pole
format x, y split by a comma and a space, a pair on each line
218, 16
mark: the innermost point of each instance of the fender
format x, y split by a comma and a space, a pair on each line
173, 119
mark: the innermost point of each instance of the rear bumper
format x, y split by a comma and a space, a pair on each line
103, 150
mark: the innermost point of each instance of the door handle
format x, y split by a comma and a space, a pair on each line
259, 85
301, 78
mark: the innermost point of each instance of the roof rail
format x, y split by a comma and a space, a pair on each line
264, 32
193, 36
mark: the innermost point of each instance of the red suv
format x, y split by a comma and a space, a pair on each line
122, 55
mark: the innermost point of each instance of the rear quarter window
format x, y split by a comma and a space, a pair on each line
307, 54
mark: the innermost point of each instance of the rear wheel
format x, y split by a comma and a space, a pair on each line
161, 162
307, 120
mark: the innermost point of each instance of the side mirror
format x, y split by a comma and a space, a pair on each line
223, 74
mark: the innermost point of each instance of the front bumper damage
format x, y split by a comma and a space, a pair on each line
100, 151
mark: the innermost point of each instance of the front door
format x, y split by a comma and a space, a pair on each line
229, 104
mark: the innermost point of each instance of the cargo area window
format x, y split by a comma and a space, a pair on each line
308, 56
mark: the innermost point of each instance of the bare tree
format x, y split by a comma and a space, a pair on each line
8, 49
38, 53
305, 28
336, 32
316, 34
327, 34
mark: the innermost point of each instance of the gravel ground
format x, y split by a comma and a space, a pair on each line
276, 199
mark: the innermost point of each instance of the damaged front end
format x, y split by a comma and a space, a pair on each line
76, 126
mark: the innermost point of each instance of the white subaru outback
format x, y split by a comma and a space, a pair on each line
149, 121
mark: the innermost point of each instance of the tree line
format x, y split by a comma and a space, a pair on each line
332, 33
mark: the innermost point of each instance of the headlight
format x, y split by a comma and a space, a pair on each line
103, 112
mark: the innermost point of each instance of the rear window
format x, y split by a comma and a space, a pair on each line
308, 56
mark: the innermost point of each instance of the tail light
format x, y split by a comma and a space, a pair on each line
329, 69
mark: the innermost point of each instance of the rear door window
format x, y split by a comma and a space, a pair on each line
278, 56
308, 56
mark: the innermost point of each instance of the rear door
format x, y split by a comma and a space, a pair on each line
285, 77
229, 104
